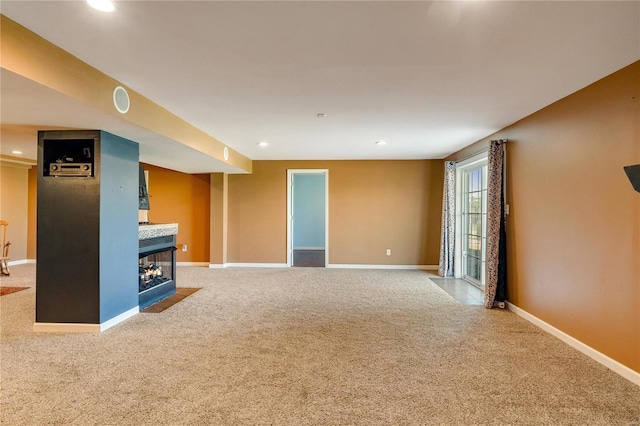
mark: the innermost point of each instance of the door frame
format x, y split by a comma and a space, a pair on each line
290, 174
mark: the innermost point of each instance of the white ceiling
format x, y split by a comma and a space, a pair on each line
427, 77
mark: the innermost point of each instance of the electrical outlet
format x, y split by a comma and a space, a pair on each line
388, 252
184, 247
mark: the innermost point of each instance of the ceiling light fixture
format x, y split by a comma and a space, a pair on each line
381, 143
102, 5
16, 152
263, 143
320, 115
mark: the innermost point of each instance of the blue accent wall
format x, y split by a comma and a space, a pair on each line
118, 225
308, 210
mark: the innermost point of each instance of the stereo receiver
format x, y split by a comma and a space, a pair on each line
70, 169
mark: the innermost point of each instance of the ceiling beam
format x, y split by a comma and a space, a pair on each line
31, 56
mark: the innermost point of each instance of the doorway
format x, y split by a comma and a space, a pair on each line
308, 213
472, 220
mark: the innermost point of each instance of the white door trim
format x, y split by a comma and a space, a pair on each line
290, 173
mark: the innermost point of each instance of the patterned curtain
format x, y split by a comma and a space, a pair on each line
447, 242
496, 278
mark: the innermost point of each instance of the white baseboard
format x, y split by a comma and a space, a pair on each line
331, 265
65, 327
359, 266
247, 265
599, 357
279, 265
21, 262
205, 264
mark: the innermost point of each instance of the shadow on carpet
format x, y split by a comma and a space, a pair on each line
180, 294
9, 290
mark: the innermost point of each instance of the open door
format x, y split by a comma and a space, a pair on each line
307, 212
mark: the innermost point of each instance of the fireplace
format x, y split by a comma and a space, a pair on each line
156, 263
155, 269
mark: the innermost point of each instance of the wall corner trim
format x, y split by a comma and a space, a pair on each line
48, 327
599, 357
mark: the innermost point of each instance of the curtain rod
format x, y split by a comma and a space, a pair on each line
502, 141
471, 155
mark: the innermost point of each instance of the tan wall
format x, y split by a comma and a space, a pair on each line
14, 184
32, 213
373, 205
574, 228
218, 197
183, 198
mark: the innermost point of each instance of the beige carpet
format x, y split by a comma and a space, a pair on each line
303, 346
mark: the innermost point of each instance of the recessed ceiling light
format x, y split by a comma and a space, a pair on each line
381, 143
321, 115
102, 5
263, 143
16, 152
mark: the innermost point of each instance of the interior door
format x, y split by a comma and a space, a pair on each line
308, 224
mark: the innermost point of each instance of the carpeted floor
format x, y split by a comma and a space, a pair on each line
304, 346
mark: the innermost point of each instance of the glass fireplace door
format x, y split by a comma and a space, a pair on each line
155, 269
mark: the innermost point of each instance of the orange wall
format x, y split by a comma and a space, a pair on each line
183, 198
373, 205
574, 228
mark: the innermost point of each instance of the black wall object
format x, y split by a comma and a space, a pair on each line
633, 173
87, 236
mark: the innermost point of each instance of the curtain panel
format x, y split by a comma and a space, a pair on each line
496, 257
447, 240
